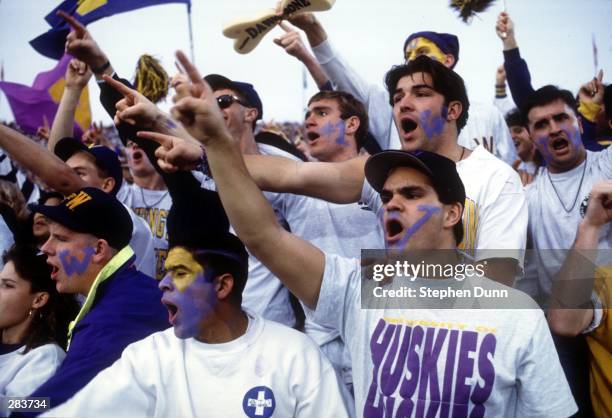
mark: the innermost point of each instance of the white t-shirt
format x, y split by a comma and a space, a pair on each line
338, 229
552, 226
485, 125
264, 294
21, 374
438, 362
153, 206
270, 371
142, 244
495, 213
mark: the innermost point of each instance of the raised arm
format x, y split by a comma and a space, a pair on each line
40, 161
517, 72
574, 283
292, 43
81, 45
77, 77
297, 263
335, 182
374, 97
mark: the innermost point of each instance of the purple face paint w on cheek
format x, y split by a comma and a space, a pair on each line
433, 124
72, 265
429, 211
194, 304
336, 129
574, 135
543, 143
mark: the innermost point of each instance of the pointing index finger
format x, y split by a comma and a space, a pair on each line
74, 24
162, 139
285, 26
120, 87
193, 73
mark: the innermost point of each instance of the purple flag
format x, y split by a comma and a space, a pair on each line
32, 105
46, 79
29, 106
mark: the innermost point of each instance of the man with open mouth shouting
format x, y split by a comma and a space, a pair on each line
405, 361
430, 107
218, 360
88, 249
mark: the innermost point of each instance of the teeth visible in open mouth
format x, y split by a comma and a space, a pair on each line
559, 143
408, 125
312, 136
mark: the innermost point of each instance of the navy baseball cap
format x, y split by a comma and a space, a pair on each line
246, 90
441, 171
105, 158
448, 43
92, 211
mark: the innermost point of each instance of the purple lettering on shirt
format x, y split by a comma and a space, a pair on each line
465, 370
449, 371
413, 366
379, 343
393, 367
486, 369
429, 388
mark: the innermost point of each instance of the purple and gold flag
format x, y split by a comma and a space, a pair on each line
32, 105
51, 43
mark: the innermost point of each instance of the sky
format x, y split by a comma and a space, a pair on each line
554, 36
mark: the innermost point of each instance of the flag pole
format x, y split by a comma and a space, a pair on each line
190, 31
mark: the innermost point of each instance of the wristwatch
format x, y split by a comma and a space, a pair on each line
101, 69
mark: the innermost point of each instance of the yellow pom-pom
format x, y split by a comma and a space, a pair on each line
151, 80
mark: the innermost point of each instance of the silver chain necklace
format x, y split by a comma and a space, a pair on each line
577, 191
147, 206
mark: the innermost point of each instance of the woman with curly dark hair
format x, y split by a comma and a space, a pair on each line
34, 320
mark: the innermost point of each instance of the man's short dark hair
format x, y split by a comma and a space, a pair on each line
445, 81
545, 96
219, 265
608, 101
515, 118
349, 106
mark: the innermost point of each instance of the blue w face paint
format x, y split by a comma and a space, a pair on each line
335, 129
429, 211
433, 125
189, 293
71, 264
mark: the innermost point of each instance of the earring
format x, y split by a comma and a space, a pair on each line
30, 312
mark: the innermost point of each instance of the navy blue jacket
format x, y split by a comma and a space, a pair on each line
127, 308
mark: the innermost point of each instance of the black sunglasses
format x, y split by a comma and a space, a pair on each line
226, 101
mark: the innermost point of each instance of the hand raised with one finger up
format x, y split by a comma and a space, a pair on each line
199, 112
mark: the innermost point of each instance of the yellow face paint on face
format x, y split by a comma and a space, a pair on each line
182, 268
423, 46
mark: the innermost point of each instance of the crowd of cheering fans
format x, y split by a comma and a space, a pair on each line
205, 262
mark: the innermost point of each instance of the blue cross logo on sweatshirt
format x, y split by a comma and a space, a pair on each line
259, 402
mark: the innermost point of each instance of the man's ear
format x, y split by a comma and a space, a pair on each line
351, 125
224, 285
455, 108
108, 184
102, 252
452, 214
250, 114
